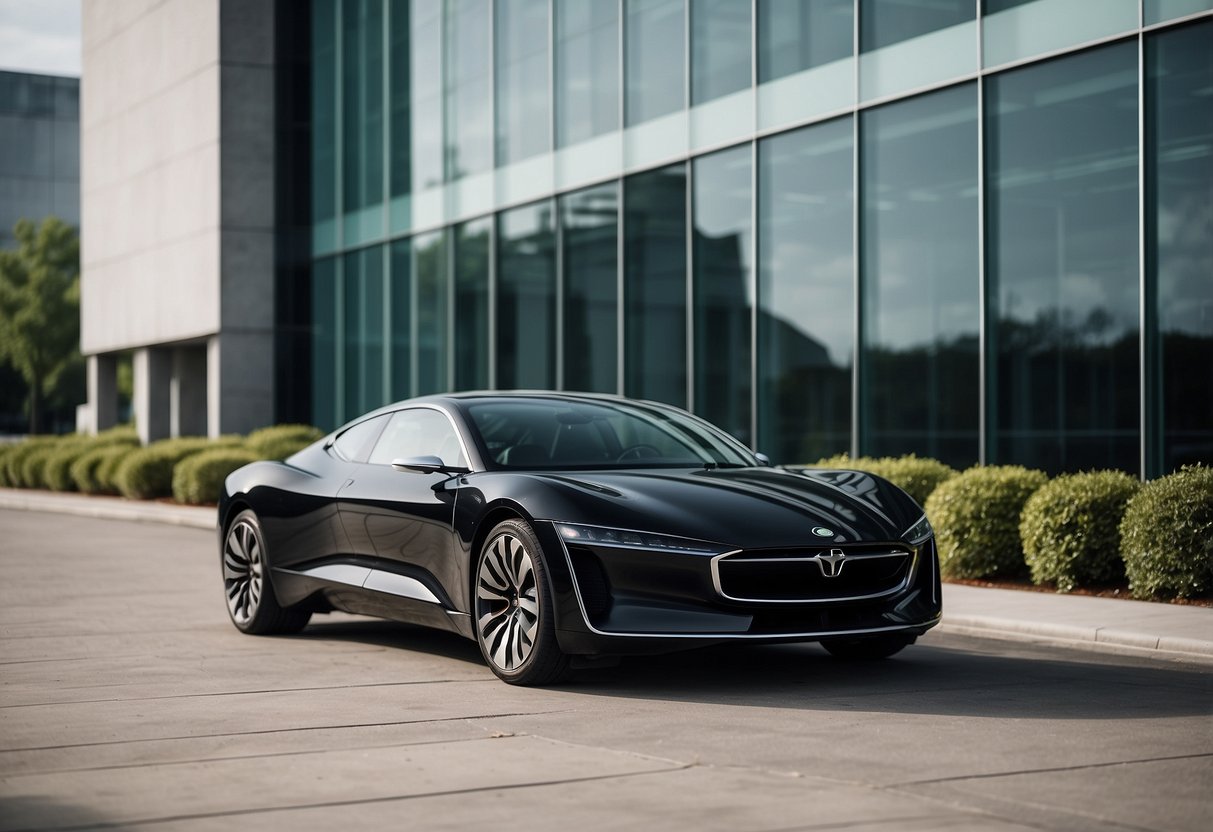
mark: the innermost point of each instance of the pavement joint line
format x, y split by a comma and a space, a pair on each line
337, 727
865, 824
993, 775
243, 693
332, 804
978, 627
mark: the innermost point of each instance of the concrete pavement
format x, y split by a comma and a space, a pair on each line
1111, 625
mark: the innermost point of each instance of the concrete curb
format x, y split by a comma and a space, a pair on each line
109, 508
1097, 639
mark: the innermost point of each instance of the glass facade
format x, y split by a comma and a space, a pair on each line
977, 230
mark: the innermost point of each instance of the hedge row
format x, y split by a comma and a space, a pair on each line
114, 463
1077, 530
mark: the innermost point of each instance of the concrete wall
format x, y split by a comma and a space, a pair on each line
177, 191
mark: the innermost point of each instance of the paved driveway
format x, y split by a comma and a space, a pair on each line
126, 699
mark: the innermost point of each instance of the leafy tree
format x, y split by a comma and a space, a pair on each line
40, 307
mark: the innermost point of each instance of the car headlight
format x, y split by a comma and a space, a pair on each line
628, 539
919, 532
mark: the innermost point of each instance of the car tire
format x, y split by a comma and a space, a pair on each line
868, 648
513, 614
251, 603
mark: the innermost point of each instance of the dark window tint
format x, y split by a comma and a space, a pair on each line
794, 35
472, 305
526, 297
590, 234
886, 22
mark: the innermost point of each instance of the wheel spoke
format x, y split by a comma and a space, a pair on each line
242, 572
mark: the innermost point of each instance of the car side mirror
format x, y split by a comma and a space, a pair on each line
763, 459
427, 465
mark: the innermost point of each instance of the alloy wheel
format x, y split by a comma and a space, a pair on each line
242, 572
507, 602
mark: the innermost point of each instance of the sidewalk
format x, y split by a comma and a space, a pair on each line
1076, 621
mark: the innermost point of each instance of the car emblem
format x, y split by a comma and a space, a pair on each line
822, 531
831, 564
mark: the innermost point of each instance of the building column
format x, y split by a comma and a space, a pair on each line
240, 382
102, 374
153, 379
187, 393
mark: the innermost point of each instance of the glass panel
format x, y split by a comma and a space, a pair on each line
806, 292
400, 166
723, 270
324, 123
1179, 243
655, 285
655, 47
886, 22
1014, 31
919, 277
523, 118
425, 78
1062, 262
324, 344
402, 320
362, 103
794, 36
429, 251
418, 432
720, 48
526, 298
1156, 11
589, 232
469, 104
362, 355
587, 69
472, 305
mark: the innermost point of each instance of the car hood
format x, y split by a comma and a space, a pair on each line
741, 508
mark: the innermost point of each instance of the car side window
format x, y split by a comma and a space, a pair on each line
419, 432
354, 444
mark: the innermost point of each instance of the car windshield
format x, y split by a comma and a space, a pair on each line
559, 434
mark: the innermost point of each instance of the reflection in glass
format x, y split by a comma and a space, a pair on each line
399, 163
526, 297
472, 305
806, 292
720, 48
1061, 196
401, 320
425, 95
794, 36
429, 269
723, 259
920, 277
1156, 11
362, 356
324, 343
655, 288
885, 22
521, 56
1179, 244
362, 104
587, 69
467, 47
655, 35
324, 111
589, 232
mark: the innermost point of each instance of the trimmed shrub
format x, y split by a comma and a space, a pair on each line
197, 479
33, 465
4, 451
1166, 536
917, 476
59, 475
976, 520
274, 442
1071, 529
14, 460
93, 471
147, 473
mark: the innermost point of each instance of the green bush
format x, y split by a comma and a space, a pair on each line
197, 479
93, 471
1166, 536
1071, 529
976, 520
4, 451
274, 442
14, 460
59, 474
917, 476
33, 466
147, 473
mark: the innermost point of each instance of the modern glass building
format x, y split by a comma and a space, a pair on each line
978, 231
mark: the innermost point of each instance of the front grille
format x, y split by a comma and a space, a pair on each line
797, 574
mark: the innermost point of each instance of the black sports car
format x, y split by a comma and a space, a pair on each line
548, 525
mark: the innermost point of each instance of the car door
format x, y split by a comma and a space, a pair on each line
401, 520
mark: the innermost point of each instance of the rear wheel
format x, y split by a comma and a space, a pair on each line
515, 626
250, 595
868, 648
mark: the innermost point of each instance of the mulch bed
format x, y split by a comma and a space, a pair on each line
1099, 592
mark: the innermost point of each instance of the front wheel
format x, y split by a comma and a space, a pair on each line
250, 596
868, 648
514, 617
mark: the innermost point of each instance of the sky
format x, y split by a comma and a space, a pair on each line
40, 36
